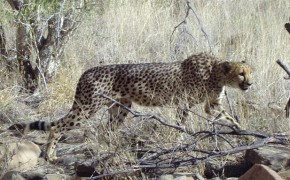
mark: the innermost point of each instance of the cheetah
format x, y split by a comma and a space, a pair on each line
199, 78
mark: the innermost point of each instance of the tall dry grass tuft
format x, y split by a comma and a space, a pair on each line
59, 94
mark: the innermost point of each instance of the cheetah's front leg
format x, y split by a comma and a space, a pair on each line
228, 117
214, 108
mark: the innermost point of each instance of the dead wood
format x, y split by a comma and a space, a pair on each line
287, 109
3, 49
191, 153
287, 26
283, 66
286, 69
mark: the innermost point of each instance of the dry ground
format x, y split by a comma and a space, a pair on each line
140, 31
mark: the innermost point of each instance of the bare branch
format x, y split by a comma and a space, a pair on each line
196, 160
233, 131
182, 22
209, 155
189, 8
287, 108
162, 121
16, 4
283, 66
200, 25
287, 26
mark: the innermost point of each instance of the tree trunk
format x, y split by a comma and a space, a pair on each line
3, 49
44, 37
23, 58
23, 47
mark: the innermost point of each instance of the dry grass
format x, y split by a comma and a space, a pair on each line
139, 31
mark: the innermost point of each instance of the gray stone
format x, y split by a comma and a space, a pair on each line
183, 178
12, 175
56, 177
234, 167
166, 177
86, 169
277, 157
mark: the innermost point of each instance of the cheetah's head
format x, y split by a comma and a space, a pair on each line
238, 75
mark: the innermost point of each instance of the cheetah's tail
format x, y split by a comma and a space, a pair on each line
36, 125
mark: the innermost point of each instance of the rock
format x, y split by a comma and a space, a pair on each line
21, 156
285, 174
260, 172
12, 175
235, 167
86, 169
166, 177
276, 157
35, 174
56, 177
171, 177
183, 178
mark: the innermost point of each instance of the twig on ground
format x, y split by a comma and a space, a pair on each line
209, 155
146, 164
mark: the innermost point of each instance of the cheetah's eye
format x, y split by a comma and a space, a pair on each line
242, 74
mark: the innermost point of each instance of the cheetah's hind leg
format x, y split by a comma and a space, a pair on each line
71, 121
117, 114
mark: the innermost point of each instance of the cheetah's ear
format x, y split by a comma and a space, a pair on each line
226, 67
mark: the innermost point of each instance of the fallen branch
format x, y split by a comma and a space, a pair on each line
147, 164
208, 155
162, 121
233, 131
191, 152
